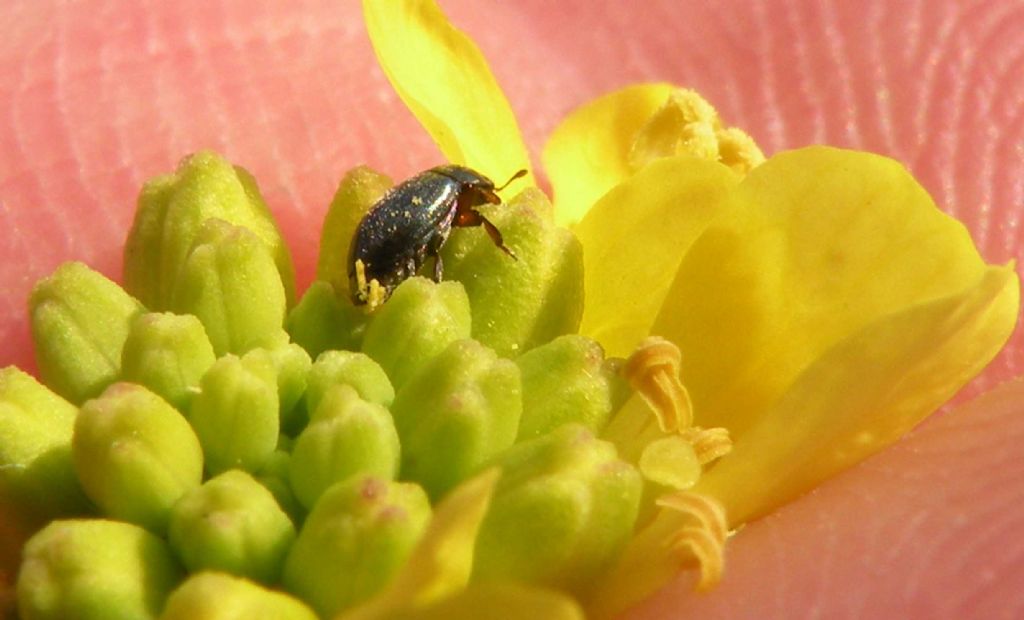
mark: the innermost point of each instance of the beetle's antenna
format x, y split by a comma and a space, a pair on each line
521, 173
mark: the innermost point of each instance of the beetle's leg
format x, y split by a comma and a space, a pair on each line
438, 268
411, 268
471, 217
495, 235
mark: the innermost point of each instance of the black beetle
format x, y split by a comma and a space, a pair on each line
411, 223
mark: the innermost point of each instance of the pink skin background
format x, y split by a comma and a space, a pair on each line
95, 97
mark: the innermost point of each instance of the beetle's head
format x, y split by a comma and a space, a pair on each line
479, 188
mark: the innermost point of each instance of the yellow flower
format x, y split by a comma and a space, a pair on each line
821, 303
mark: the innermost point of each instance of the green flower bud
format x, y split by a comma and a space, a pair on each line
291, 364
347, 435
135, 455
565, 380
229, 281
94, 570
173, 208
419, 320
519, 304
167, 353
285, 444
323, 321
358, 191
561, 513
356, 538
275, 477
216, 596
348, 368
37, 477
235, 415
460, 410
80, 321
231, 523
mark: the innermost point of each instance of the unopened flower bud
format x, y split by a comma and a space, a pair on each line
419, 320
92, 569
357, 370
324, 321
235, 415
358, 535
217, 596
167, 353
275, 477
461, 409
233, 524
172, 209
37, 477
519, 304
80, 321
291, 366
229, 281
565, 380
346, 435
356, 193
135, 455
561, 513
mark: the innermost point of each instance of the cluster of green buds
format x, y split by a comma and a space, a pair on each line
206, 446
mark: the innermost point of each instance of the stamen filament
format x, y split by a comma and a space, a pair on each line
709, 443
705, 538
653, 371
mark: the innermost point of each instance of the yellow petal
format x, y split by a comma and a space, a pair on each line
501, 601
864, 393
588, 154
444, 80
441, 564
634, 238
822, 243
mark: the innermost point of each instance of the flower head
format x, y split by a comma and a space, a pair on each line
821, 303
688, 337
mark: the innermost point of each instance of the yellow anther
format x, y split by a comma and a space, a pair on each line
361, 287
707, 553
688, 124
369, 292
653, 371
376, 295
738, 150
708, 443
705, 510
704, 537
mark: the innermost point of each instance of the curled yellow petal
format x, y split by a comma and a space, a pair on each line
864, 393
822, 242
444, 80
588, 154
634, 238
440, 566
501, 601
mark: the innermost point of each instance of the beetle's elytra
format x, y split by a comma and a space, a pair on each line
410, 224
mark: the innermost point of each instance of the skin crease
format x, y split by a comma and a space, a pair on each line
96, 97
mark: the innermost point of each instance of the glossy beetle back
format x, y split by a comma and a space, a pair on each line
466, 176
395, 236
410, 223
